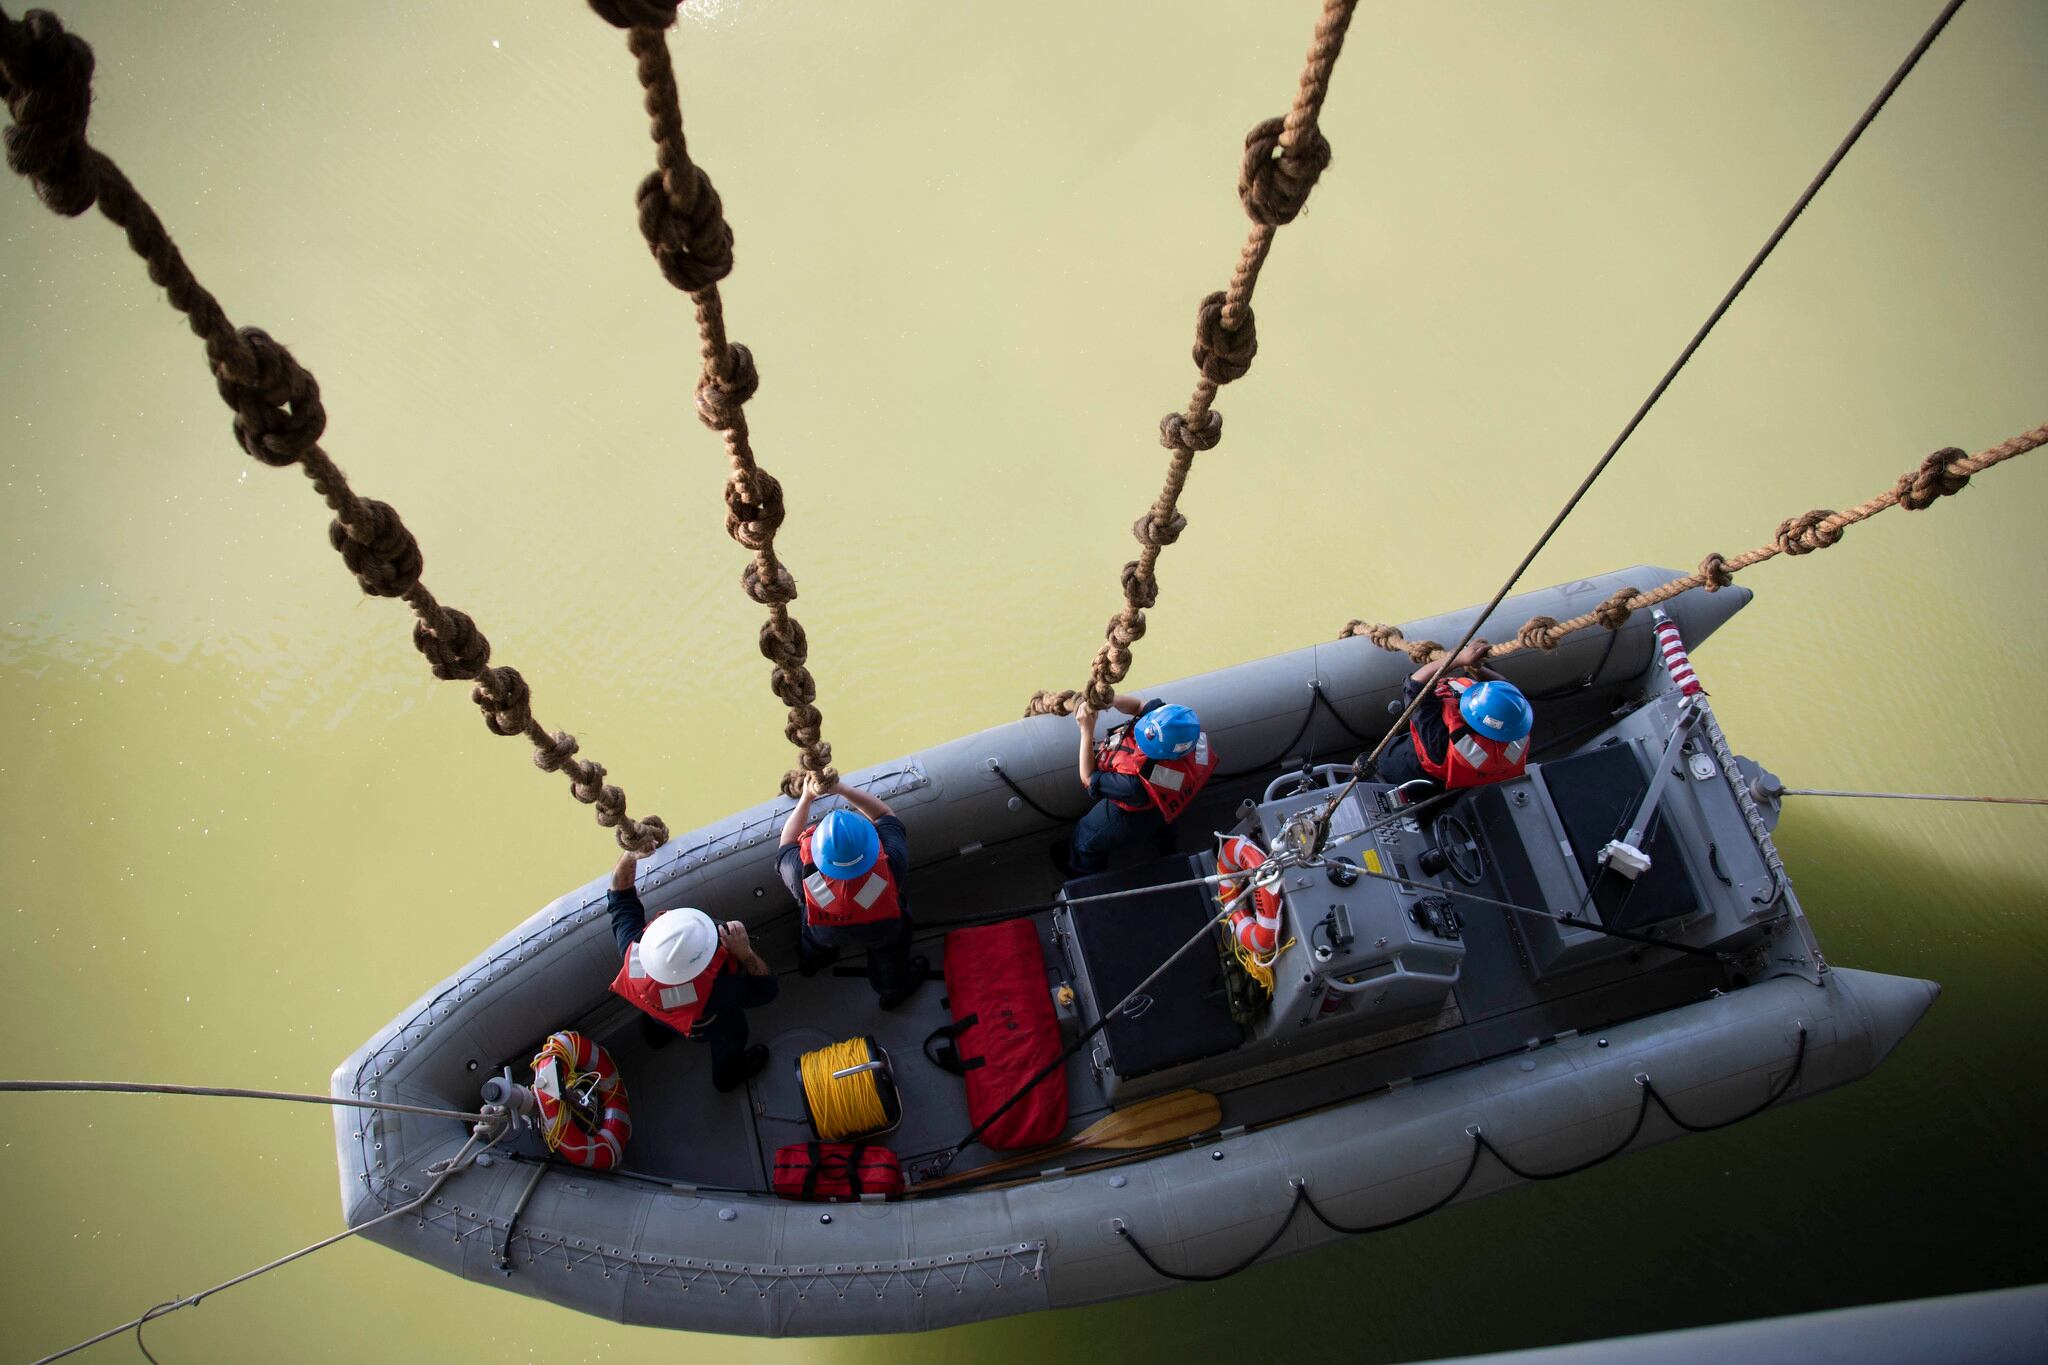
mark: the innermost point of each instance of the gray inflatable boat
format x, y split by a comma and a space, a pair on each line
1477, 999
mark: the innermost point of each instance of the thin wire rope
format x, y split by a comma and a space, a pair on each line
226, 1092
1918, 796
1699, 338
455, 1163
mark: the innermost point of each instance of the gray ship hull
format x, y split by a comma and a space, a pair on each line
691, 1249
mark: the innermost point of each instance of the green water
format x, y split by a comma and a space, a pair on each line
243, 827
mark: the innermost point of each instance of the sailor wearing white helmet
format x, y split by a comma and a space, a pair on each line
690, 976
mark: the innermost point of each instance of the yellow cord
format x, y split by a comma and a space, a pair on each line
849, 1107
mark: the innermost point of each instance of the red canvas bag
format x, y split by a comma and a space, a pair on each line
834, 1171
1003, 1032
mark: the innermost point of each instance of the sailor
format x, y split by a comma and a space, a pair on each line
690, 976
847, 872
1142, 776
1476, 734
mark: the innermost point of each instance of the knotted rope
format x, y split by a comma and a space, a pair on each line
1282, 159
46, 82
1943, 474
685, 227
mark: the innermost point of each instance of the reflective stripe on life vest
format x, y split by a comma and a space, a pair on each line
873, 897
682, 1006
1469, 760
1170, 783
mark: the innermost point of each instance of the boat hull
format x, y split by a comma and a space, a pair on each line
683, 1257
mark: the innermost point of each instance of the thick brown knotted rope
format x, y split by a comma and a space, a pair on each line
1282, 159
45, 79
1940, 475
684, 224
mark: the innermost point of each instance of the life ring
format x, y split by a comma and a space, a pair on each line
1254, 923
573, 1080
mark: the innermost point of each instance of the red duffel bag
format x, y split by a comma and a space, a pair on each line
1003, 1032
836, 1171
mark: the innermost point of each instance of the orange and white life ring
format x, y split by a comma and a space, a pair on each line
592, 1135
1255, 922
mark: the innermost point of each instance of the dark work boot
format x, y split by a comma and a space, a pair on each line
1058, 853
654, 1033
920, 966
750, 1064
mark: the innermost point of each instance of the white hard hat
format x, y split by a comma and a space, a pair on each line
678, 946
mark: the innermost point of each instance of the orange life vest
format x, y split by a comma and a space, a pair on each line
1170, 782
1469, 760
829, 901
680, 1007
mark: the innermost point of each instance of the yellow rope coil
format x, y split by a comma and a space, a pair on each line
849, 1106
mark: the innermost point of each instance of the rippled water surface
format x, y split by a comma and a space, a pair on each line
242, 827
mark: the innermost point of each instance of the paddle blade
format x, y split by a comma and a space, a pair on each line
1163, 1118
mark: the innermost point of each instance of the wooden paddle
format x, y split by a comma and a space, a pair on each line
1163, 1118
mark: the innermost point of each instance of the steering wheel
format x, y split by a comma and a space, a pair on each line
1461, 850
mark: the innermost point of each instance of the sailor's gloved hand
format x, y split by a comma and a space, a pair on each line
1084, 716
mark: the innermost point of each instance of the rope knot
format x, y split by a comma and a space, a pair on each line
1141, 589
642, 836
794, 686
1149, 530
720, 396
688, 234
587, 784
453, 646
1539, 632
1274, 179
506, 702
793, 780
1807, 532
768, 582
1714, 569
1223, 353
377, 547
48, 88
1175, 434
550, 757
636, 13
1126, 628
1615, 611
1937, 477
1099, 695
784, 642
278, 415
1046, 702
753, 507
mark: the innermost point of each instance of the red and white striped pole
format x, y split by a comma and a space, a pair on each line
1671, 648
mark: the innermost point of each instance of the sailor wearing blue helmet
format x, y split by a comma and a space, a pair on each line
1476, 734
847, 872
1142, 775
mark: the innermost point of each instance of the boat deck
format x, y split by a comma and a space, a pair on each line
686, 1132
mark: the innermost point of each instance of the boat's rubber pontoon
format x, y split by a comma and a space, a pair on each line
1421, 1039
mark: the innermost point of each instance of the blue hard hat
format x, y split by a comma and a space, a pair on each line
1497, 710
845, 845
1168, 731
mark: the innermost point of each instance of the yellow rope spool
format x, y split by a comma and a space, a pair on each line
848, 1090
